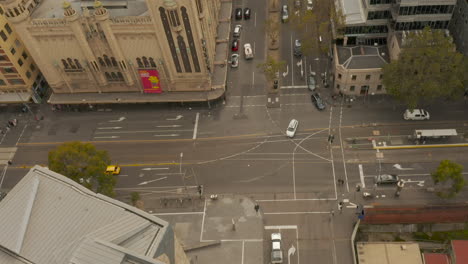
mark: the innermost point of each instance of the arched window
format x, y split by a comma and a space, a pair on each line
78, 65
114, 76
101, 62
120, 76
152, 63
65, 64
145, 62
108, 62
140, 64
114, 62
70, 61
108, 76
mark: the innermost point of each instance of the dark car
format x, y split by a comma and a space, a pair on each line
246, 13
235, 45
317, 100
238, 13
386, 178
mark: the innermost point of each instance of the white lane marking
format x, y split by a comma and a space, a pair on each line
109, 127
119, 120
3, 174
24, 128
292, 61
293, 200
147, 169
168, 135
195, 129
203, 222
108, 137
142, 131
243, 246
287, 71
281, 227
361, 176
176, 118
170, 126
255, 19
184, 213
253, 79
342, 148
146, 182
294, 87
246, 105
281, 213
331, 154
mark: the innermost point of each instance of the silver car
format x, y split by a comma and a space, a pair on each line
386, 178
234, 60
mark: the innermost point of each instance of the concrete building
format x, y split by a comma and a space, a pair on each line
48, 218
145, 48
459, 26
20, 78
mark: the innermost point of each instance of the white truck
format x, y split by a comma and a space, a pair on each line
276, 252
248, 51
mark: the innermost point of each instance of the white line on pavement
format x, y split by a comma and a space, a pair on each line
293, 200
331, 153
170, 126
361, 175
243, 246
294, 87
203, 222
24, 128
292, 61
143, 131
184, 213
253, 79
255, 19
108, 137
281, 227
281, 213
196, 126
342, 150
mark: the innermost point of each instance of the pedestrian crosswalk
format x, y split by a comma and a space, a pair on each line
7, 154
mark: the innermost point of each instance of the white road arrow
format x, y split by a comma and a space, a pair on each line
146, 182
148, 169
108, 137
168, 135
291, 251
169, 126
109, 127
177, 118
118, 120
398, 166
287, 71
419, 183
351, 205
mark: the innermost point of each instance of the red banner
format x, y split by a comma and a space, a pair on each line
150, 80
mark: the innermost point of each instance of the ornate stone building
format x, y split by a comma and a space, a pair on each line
140, 46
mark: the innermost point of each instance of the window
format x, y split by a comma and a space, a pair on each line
3, 35
152, 63
3, 58
337, 86
353, 77
32, 67
379, 87
381, 76
339, 75
114, 62
367, 77
17, 43
25, 55
140, 64
16, 81
20, 62
352, 88
28, 74
1, 11
8, 28
9, 70
13, 51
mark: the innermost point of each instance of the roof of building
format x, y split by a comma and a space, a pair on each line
362, 57
54, 9
48, 218
460, 251
353, 11
436, 258
388, 253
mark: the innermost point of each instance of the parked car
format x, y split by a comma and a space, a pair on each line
416, 114
276, 251
234, 60
309, 5
235, 45
297, 48
238, 13
311, 83
317, 101
284, 14
237, 31
386, 178
246, 13
248, 51
292, 127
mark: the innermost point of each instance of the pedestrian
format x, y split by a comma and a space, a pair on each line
332, 138
358, 188
340, 207
332, 212
257, 207
340, 181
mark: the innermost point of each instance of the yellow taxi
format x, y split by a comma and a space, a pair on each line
113, 169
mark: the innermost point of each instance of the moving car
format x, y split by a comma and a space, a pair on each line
113, 169
386, 178
237, 31
416, 114
276, 251
317, 101
238, 13
246, 13
248, 51
311, 83
235, 45
284, 14
297, 48
292, 127
309, 5
234, 60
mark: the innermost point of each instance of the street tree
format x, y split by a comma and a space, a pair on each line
272, 28
271, 68
428, 68
83, 163
448, 179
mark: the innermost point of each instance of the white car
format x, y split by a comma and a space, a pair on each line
237, 31
416, 114
276, 251
292, 127
248, 51
234, 60
309, 5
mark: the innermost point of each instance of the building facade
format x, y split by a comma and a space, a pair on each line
141, 46
459, 26
20, 78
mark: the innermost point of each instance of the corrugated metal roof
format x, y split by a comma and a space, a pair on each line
436, 258
52, 219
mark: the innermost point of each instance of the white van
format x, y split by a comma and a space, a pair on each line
248, 51
292, 127
416, 114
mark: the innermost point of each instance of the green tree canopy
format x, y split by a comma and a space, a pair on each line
428, 68
83, 163
271, 67
449, 178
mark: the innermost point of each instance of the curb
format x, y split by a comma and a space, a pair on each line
202, 245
